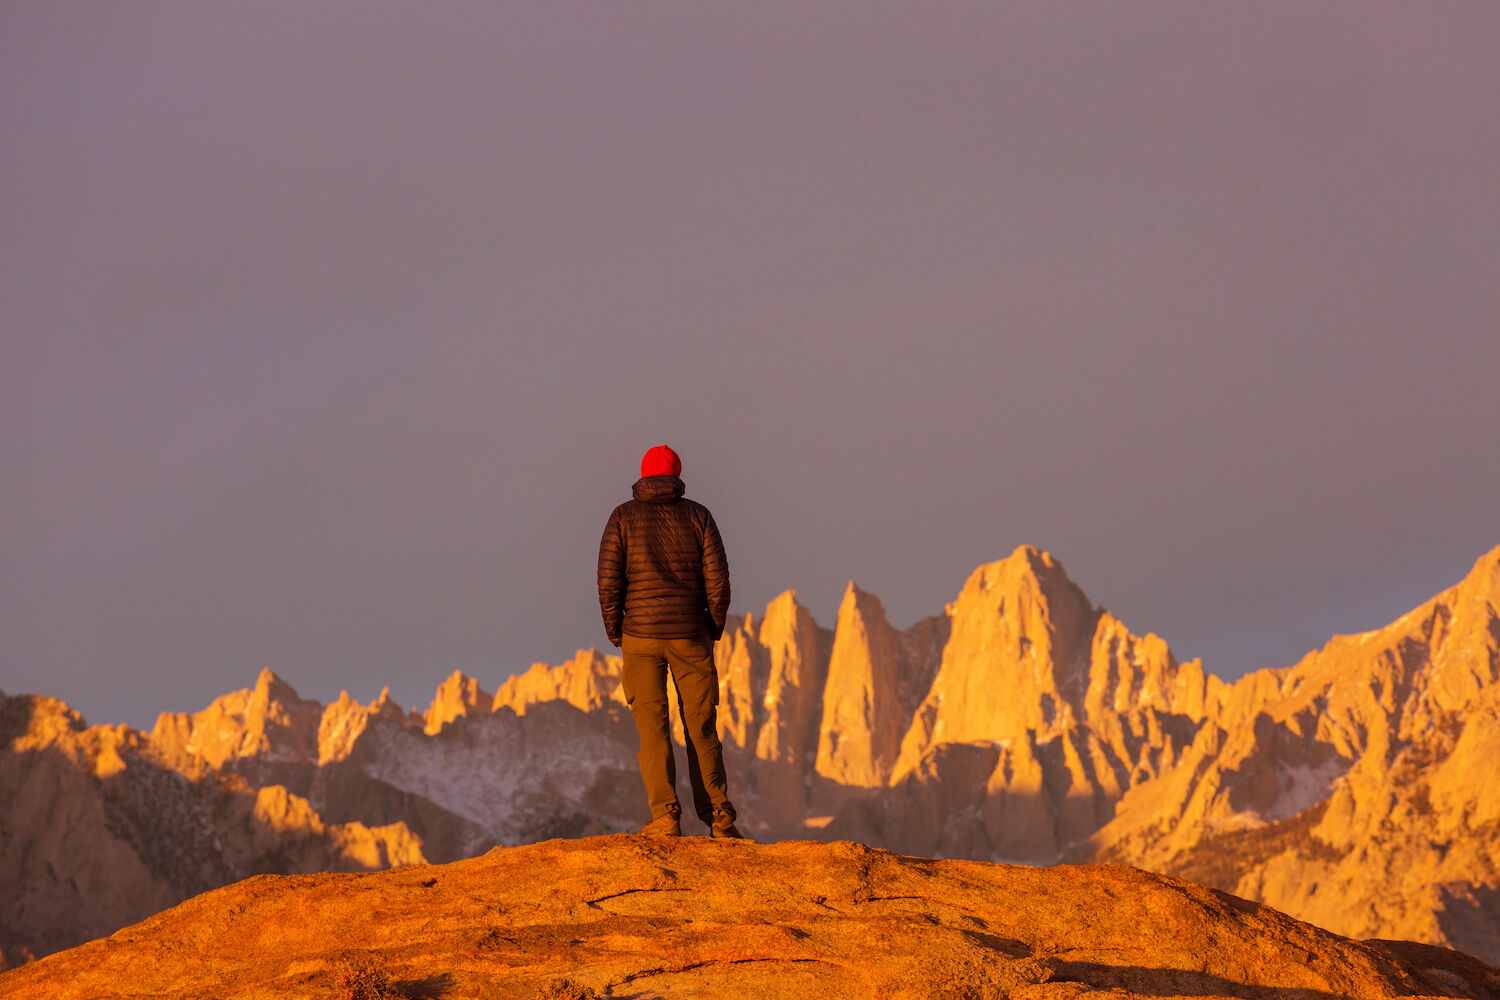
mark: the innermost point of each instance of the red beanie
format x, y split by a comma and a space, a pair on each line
661, 461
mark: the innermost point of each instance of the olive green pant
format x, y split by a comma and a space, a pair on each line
644, 681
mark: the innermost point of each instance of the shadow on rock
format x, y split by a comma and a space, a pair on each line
432, 987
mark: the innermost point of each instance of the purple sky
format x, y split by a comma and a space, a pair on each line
330, 333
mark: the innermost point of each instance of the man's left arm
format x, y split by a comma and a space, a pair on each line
715, 576
612, 578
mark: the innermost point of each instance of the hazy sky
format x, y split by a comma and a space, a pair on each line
330, 333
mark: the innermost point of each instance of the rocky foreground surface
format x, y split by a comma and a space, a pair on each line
629, 916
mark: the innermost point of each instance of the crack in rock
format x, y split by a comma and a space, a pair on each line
625, 892
674, 970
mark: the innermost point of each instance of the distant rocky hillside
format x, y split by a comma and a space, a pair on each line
1358, 789
1354, 789
630, 916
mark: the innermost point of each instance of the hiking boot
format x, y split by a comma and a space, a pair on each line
663, 826
724, 827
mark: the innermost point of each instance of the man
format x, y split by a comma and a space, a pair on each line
664, 594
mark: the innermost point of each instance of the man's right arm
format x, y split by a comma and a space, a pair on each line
612, 578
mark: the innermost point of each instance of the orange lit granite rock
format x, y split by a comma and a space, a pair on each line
455, 698
628, 916
1356, 788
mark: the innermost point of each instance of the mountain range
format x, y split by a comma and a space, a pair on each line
1354, 789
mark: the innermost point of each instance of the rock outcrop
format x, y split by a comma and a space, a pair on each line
626, 916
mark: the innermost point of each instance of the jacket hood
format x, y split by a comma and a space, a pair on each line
658, 489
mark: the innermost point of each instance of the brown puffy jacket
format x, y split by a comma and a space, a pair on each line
662, 571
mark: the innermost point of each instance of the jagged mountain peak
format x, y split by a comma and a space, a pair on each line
587, 682
1023, 561
458, 695
1027, 572
782, 607
1486, 571
34, 720
786, 621
1027, 659
269, 719
860, 603
383, 703
1431, 660
270, 686
273, 696
875, 677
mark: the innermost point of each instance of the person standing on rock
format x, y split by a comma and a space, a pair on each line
664, 594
